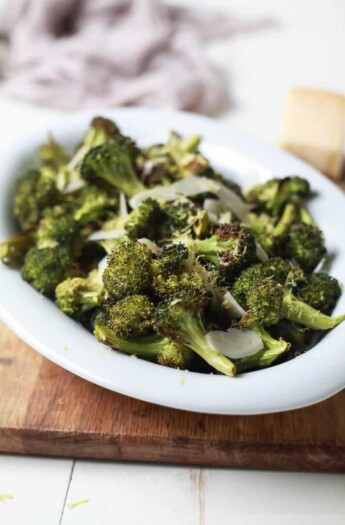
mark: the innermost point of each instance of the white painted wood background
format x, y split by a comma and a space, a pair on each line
306, 48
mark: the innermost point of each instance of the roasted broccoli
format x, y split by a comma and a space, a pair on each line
321, 291
152, 249
112, 164
45, 268
171, 259
128, 271
305, 244
132, 316
144, 221
274, 194
152, 348
283, 305
180, 320
53, 155
93, 204
273, 350
55, 232
180, 218
76, 295
33, 192
231, 248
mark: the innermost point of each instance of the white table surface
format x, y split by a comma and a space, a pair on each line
307, 49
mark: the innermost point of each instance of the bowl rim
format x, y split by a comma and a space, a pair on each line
303, 381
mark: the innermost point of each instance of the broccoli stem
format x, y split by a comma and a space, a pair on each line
211, 247
273, 348
300, 312
149, 347
287, 218
194, 337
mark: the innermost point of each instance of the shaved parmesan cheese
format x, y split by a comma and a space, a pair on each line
74, 185
235, 343
102, 266
213, 206
102, 235
260, 253
231, 305
194, 185
189, 186
123, 209
150, 244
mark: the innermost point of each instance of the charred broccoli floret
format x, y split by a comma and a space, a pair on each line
182, 217
144, 221
305, 244
152, 348
171, 259
132, 316
128, 271
14, 249
44, 269
274, 194
231, 248
180, 320
321, 291
112, 164
34, 192
76, 295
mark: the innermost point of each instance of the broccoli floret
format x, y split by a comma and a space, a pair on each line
170, 285
144, 221
93, 204
180, 320
62, 231
53, 155
263, 304
231, 248
290, 307
321, 291
101, 131
44, 269
280, 270
171, 259
274, 194
181, 217
14, 249
34, 192
305, 244
128, 271
112, 163
76, 295
273, 349
151, 348
177, 159
131, 316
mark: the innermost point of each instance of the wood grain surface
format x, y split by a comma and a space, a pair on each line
46, 410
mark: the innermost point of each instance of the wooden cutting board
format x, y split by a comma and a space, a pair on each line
46, 410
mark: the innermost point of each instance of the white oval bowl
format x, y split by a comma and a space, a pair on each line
310, 378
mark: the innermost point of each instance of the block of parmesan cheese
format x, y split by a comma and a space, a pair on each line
314, 128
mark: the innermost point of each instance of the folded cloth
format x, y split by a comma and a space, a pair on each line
73, 54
